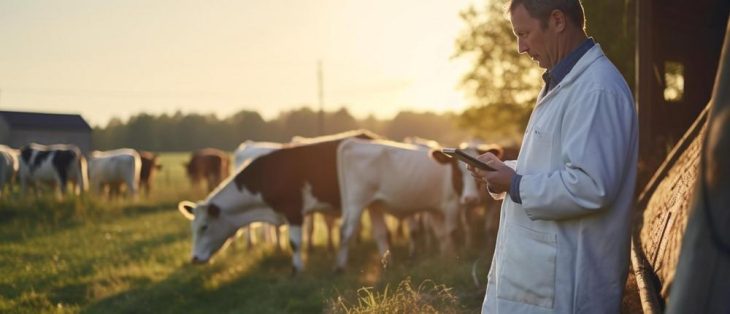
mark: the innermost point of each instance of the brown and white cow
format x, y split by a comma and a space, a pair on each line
400, 179
248, 151
55, 165
208, 164
8, 167
147, 172
279, 187
112, 169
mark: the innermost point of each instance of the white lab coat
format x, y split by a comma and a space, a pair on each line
565, 249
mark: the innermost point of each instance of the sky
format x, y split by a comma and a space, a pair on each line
106, 59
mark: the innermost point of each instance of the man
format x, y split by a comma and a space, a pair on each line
563, 239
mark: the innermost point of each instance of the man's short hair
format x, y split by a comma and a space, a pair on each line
541, 10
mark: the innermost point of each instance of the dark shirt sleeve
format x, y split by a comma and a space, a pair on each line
514, 189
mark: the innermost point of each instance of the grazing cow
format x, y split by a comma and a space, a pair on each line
112, 169
278, 187
147, 172
208, 164
55, 164
8, 167
400, 179
249, 150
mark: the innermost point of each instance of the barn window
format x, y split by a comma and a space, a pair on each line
674, 79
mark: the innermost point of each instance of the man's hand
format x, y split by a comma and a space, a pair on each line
497, 181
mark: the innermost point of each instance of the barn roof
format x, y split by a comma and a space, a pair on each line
45, 121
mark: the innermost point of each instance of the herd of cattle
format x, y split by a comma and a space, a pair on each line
339, 176
59, 166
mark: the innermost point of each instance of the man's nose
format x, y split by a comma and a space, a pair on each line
521, 46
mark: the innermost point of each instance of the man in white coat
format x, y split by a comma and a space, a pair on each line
563, 242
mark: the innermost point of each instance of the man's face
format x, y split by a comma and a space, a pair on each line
532, 39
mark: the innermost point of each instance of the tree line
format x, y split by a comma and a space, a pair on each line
190, 131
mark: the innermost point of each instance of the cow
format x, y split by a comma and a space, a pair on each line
147, 171
208, 164
249, 150
279, 187
111, 169
56, 165
400, 179
8, 167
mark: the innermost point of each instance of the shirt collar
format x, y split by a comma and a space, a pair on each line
553, 76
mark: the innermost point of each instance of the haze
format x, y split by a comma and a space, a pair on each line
108, 59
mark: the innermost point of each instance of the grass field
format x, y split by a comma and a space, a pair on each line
91, 255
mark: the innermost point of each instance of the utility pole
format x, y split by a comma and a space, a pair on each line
320, 86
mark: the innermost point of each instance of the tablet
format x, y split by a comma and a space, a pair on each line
466, 158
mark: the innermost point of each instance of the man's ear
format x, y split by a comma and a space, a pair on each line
557, 20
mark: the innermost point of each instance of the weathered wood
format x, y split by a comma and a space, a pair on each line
703, 275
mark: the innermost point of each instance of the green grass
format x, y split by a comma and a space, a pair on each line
92, 255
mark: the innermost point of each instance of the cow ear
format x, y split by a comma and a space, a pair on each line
186, 209
440, 157
214, 211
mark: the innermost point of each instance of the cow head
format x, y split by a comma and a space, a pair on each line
463, 182
209, 228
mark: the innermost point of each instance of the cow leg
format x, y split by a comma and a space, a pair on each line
295, 241
415, 232
464, 218
441, 227
329, 222
277, 236
309, 231
380, 232
131, 187
350, 223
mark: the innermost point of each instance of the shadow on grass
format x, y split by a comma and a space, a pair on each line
267, 286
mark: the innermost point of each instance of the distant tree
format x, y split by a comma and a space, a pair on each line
441, 128
247, 125
500, 79
339, 121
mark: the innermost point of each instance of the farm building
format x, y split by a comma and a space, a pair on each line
682, 95
20, 128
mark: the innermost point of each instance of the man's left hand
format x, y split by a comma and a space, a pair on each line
499, 180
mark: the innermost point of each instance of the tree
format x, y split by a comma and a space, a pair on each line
503, 85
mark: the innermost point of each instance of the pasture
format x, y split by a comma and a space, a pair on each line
93, 255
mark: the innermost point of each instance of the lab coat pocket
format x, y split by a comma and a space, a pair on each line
539, 155
527, 272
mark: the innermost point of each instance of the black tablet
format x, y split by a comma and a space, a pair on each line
467, 158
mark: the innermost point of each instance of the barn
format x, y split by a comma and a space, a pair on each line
20, 128
679, 252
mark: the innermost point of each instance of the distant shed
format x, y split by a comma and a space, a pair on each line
20, 128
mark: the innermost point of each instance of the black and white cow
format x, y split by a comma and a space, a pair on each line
279, 187
400, 179
8, 167
56, 165
114, 168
